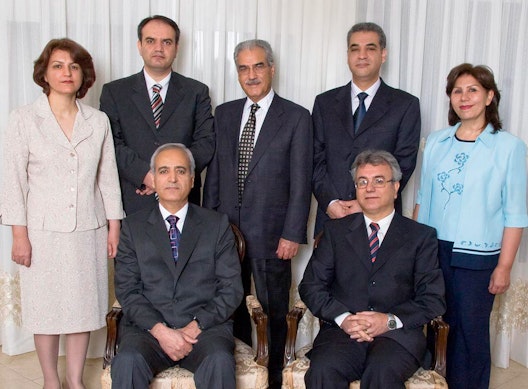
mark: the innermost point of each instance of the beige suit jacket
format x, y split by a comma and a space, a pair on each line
55, 184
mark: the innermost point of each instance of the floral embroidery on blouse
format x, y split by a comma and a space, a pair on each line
449, 179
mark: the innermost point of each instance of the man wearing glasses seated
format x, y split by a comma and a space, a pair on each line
374, 282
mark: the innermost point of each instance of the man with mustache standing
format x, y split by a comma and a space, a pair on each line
260, 177
154, 107
364, 114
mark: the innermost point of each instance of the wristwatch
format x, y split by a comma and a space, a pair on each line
391, 321
198, 323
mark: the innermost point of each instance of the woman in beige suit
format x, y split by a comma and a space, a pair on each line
60, 194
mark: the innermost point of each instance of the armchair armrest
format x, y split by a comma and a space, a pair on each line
255, 311
261, 322
437, 331
112, 324
292, 319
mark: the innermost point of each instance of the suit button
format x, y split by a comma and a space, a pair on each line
157, 144
370, 308
373, 283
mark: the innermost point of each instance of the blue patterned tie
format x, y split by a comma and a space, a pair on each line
374, 241
360, 111
174, 235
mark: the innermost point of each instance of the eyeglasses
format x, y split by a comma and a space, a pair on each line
377, 182
258, 68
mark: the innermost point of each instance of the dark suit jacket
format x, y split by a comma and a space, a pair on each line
392, 123
277, 193
186, 118
205, 283
405, 279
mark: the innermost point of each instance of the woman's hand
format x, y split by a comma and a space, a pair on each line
113, 237
499, 281
21, 249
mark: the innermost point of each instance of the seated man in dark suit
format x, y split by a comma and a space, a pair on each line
178, 280
374, 281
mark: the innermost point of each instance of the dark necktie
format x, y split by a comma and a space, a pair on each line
157, 104
174, 235
245, 150
360, 111
374, 241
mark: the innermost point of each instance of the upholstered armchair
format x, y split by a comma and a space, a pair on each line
251, 367
296, 363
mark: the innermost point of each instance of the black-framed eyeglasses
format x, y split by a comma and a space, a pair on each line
377, 182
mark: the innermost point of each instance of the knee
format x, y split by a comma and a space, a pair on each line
130, 363
220, 359
380, 374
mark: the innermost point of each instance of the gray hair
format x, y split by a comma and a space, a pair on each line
368, 27
173, 146
377, 157
251, 44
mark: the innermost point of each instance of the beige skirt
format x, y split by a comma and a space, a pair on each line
65, 290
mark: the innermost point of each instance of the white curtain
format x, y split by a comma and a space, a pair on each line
426, 38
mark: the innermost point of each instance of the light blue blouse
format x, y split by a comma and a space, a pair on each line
486, 181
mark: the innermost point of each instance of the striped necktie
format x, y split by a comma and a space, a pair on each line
374, 241
156, 103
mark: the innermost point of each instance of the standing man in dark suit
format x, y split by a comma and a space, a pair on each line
154, 107
266, 193
374, 281
388, 119
178, 282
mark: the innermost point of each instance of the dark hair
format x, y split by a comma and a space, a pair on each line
162, 19
484, 75
368, 26
251, 44
376, 158
79, 55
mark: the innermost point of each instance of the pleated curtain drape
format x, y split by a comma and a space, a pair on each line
426, 38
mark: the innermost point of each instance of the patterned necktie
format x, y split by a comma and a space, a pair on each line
360, 111
157, 104
174, 235
374, 241
245, 150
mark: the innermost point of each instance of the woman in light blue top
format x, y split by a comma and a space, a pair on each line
473, 191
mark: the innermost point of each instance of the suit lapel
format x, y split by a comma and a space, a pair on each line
269, 129
343, 108
53, 131
234, 116
392, 243
82, 128
157, 232
378, 108
358, 241
141, 98
173, 98
189, 237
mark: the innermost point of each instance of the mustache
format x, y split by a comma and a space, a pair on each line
253, 82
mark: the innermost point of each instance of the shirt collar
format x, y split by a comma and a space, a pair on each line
370, 91
485, 136
150, 81
181, 214
383, 223
264, 104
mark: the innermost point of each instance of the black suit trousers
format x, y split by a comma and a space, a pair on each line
272, 279
336, 360
140, 357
